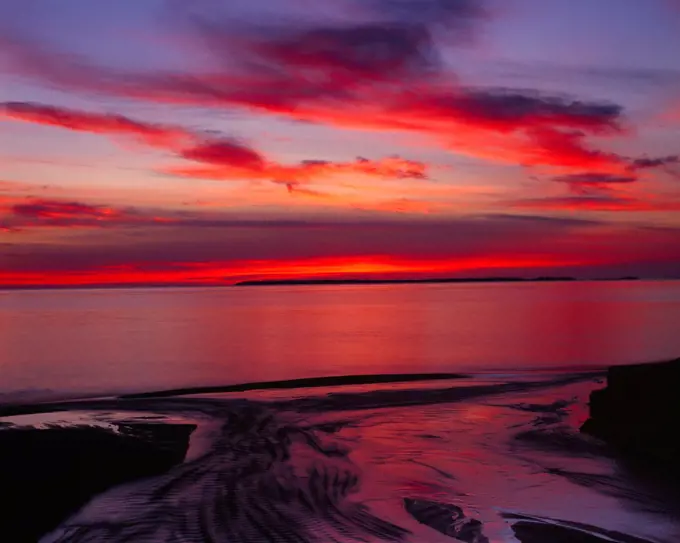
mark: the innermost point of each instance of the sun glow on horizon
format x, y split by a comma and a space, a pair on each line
355, 267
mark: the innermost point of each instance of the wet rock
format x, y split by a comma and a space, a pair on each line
530, 529
46, 475
562, 441
638, 413
447, 519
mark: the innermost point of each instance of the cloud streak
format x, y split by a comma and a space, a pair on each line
659, 162
598, 202
224, 159
107, 124
381, 72
18, 213
223, 250
220, 159
591, 182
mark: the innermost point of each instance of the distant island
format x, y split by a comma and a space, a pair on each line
314, 281
279, 282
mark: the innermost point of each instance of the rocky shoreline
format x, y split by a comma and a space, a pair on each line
298, 468
637, 413
46, 475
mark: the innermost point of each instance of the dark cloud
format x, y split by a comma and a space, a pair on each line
594, 179
286, 69
483, 243
593, 182
368, 52
21, 213
460, 16
600, 185
538, 219
521, 108
49, 209
642, 78
659, 162
200, 237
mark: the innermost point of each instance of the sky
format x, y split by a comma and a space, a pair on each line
214, 141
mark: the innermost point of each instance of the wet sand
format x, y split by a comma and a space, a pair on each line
476, 459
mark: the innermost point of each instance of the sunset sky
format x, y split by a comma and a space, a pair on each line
161, 141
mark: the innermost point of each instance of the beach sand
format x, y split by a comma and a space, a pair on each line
485, 458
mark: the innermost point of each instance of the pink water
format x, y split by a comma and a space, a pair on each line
99, 341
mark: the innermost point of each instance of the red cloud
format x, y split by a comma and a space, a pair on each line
568, 149
221, 158
537, 130
608, 202
150, 134
228, 161
51, 209
20, 213
225, 153
368, 76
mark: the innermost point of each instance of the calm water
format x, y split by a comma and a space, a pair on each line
100, 341
376, 462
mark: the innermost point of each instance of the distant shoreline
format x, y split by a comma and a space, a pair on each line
318, 281
273, 282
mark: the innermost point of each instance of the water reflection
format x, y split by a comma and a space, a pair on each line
95, 341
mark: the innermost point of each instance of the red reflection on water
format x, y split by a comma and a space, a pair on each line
165, 338
474, 454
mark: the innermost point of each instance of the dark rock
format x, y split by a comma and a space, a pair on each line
447, 519
638, 413
562, 440
46, 475
530, 529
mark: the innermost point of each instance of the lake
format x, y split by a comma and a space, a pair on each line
83, 342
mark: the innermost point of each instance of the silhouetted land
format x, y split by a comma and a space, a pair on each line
309, 382
318, 281
8, 410
638, 414
271, 282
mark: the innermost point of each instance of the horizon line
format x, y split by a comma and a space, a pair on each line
316, 281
